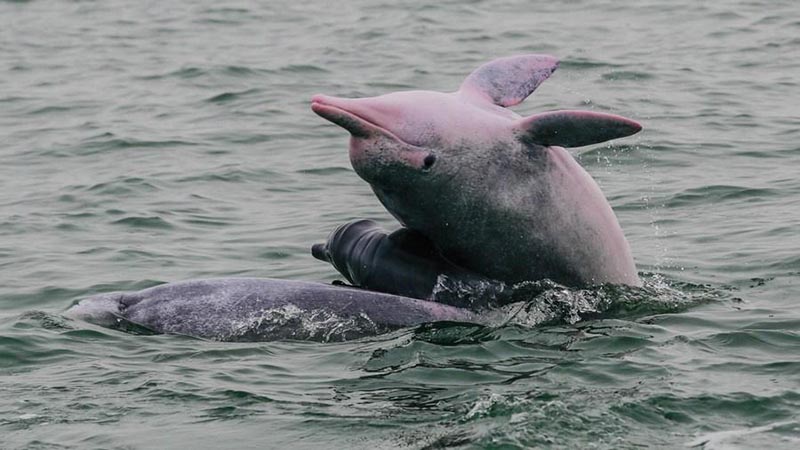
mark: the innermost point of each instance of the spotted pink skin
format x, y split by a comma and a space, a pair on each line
555, 212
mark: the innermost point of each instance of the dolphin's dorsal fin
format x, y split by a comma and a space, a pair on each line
573, 128
508, 81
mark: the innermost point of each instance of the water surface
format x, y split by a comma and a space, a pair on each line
147, 142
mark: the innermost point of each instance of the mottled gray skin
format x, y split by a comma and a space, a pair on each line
495, 192
507, 215
402, 263
261, 309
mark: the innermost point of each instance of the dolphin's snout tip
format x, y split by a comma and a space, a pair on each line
341, 111
317, 103
634, 126
320, 251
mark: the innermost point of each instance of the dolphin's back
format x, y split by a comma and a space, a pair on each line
262, 309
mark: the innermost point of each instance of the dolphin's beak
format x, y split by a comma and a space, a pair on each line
320, 251
353, 114
369, 119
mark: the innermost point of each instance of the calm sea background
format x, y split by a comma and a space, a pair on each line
148, 142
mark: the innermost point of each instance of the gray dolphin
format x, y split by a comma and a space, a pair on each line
495, 192
402, 263
262, 309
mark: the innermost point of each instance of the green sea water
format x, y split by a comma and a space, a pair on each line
149, 142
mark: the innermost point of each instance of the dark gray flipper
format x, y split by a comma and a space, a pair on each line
569, 128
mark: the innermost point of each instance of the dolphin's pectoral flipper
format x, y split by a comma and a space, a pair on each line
569, 128
509, 81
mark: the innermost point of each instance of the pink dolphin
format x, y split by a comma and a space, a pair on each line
494, 191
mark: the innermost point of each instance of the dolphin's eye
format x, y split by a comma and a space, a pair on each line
427, 163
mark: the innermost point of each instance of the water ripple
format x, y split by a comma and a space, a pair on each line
147, 143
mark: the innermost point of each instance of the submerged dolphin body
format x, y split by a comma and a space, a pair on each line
495, 192
262, 309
